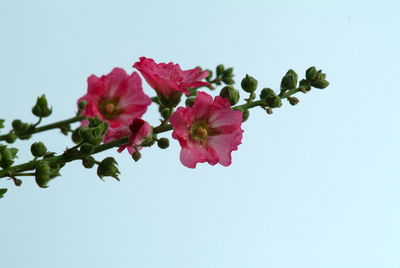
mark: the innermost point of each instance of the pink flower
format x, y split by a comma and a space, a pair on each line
138, 131
208, 131
169, 79
116, 97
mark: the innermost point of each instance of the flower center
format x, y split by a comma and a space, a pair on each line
199, 131
109, 108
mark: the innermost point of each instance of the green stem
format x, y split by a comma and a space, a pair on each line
73, 155
249, 105
48, 127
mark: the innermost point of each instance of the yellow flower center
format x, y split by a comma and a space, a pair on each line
109, 108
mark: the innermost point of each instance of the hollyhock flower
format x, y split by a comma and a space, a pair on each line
116, 97
208, 131
138, 131
168, 79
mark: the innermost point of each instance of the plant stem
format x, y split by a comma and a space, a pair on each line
47, 127
72, 155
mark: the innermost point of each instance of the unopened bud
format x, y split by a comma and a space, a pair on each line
289, 81
10, 138
269, 110
17, 124
136, 156
293, 100
220, 69
42, 175
108, 168
86, 148
190, 101
166, 112
82, 104
38, 149
311, 73
231, 94
163, 143
88, 162
249, 84
41, 109
321, 84
228, 80
266, 92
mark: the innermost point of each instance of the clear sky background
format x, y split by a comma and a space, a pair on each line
314, 186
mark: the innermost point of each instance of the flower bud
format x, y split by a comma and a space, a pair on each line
17, 125
228, 80
245, 115
88, 162
220, 69
321, 84
7, 158
10, 138
1, 126
228, 72
165, 113
108, 168
273, 102
82, 104
136, 156
163, 143
42, 175
86, 148
38, 149
249, 84
190, 101
311, 73
289, 81
76, 138
231, 94
41, 109
266, 92
293, 100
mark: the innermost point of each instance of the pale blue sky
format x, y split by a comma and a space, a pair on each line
313, 186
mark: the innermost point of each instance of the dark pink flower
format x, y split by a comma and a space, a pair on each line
169, 79
208, 131
138, 131
116, 97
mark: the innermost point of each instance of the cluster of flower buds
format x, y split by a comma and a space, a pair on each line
208, 128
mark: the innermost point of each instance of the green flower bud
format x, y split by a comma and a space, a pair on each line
249, 84
289, 81
7, 158
86, 148
82, 104
220, 69
273, 102
42, 175
165, 113
91, 135
76, 138
2, 126
266, 92
136, 156
245, 115
228, 80
17, 125
190, 101
17, 182
311, 73
88, 162
305, 85
321, 84
108, 168
38, 149
10, 138
269, 110
41, 109
231, 94
163, 143
228, 72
